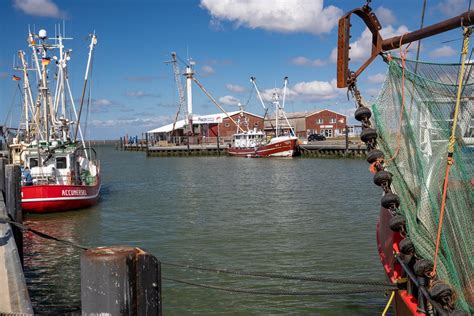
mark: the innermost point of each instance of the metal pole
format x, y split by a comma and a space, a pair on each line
146, 143
347, 138
218, 140
465, 19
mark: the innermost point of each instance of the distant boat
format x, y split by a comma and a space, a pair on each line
59, 173
254, 143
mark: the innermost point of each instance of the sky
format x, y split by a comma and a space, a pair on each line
133, 88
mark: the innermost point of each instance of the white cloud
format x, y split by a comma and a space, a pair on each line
306, 91
44, 8
207, 70
102, 102
372, 93
229, 100
443, 51
235, 88
146, 123
316, 90
377, 78
453, 7
139, 94
385, 16
362, 47
303, 61
277, 15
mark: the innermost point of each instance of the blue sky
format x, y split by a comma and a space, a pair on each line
230, 40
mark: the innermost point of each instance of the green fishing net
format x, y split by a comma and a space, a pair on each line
419, 167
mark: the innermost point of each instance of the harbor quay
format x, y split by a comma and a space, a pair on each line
332, 148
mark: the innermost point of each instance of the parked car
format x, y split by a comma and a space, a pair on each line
313, 137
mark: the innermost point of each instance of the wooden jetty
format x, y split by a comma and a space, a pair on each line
329, 148
332, 149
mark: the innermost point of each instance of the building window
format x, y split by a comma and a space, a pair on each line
227, 125
255, 124
319, 121
332, 121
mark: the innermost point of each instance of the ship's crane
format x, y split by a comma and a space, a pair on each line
179, 85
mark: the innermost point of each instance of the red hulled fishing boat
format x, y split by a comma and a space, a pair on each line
256, 144
419, 139
59, 172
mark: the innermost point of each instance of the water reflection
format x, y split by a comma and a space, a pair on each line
293, 216
51, 268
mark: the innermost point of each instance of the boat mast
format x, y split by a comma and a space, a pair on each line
86, 78
283, 106
44, 83
177, 78
28, 97
217, 104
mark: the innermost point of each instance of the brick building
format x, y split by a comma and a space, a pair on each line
210, 126
326, 122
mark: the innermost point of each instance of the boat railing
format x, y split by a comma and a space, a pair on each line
71, 179
416, 285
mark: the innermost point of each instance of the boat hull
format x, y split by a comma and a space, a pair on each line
284, 148
388, 244
58, 198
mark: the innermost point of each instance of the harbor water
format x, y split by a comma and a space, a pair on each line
298, 216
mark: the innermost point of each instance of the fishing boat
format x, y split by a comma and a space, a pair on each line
418, 134
59, 172
254, 143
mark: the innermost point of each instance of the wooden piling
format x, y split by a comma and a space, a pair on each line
13, 203
120, 281
14, 298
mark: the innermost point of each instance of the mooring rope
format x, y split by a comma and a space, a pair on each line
379, 286
283, 276
41, 234
281, 293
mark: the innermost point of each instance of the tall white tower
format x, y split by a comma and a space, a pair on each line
189, 96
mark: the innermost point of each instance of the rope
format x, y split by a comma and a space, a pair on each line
282, 276
41, 234
452, 142
278, 293
403, 55
388, 303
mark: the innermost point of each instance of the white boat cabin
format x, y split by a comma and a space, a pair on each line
56, 164
250, 139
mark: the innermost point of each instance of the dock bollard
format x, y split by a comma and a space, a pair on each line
120, 280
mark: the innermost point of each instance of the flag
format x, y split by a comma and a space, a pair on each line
45, 61
16, 78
